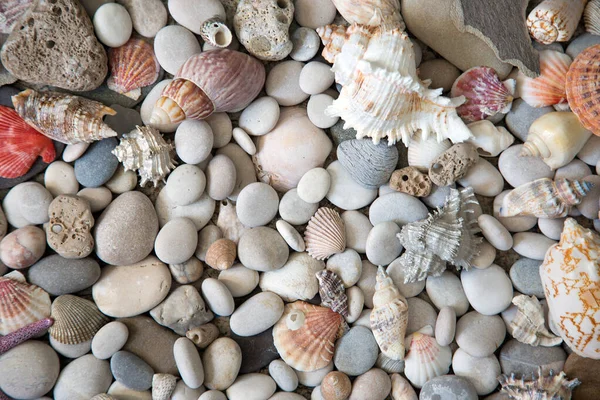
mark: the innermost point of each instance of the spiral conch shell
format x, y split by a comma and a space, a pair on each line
21, 303
382, 95
332, 292
63, 117
571, 278
389, 317
219, 80
528, 325
145, 150
425, 358
544, 198
371, 12
551, 387
555, 20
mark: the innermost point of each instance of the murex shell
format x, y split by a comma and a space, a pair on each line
325, 234
145, 150
425, 358
528, 325
549, 387
486, 94
332, 292
64, 117
548, 89
20, 303
132, 67
76, 320
370, 165
591, 16
555, 20
571, 278
448, 234
382, 95
389, 317
544, 198
489, 140
583, 91
371, 12
305, 335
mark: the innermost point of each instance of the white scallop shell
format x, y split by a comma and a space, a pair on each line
421, 152
425, 359
490, 140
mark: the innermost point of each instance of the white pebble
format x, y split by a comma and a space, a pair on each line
291, 236
257, 314
495, 233
284, 375
316, 107
109, 339
488, 290
347, 265
113, 25
283, 83
73, 151
218, 297
356, 303
257, 204
306, 43
122, 181
314, 185
60, 179
241, 137
173, 45
185, 184
251, 386
357, 227
220, 177
383, 245
99, 198
486, 256
240, 280
316, 77
222, 130
188, 362
551, 227
532, 245
396, 271
314, 378
260, 117
193, 141
485, 179
314, 13
176, 241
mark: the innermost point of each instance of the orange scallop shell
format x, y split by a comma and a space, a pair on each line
549, 88
21, 304
583, 88
132, 67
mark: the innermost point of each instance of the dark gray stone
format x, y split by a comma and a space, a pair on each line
131, 370
521, 116
356, 352
520, 358
339, 134
448, 387
6, 93
581, 43
525, 276
58, 275
98, 164
124, 121
257, 351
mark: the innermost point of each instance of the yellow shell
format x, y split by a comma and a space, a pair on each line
325, 234
21, 304
76, 320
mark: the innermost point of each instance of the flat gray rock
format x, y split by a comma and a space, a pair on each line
131, 370
356, 352
97, 165
521, 116
525, 277
448, 387
520, 358
58, 275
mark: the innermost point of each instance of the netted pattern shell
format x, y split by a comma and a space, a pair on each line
332, 292
591, 16
549, 88
555, 20
528, 325
583, 83
10, 12
425, 359
549, 387
325, 234
63, 117
20, 303
146, 151
305, 335
132, 66
76, 320
163, 386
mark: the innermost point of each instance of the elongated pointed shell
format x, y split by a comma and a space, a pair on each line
63, 117
549, 387
548, 89
555, 20
425, 359
583, 88
132, 67
325, 234
305, 335
389, 317
571, 279
591, 16
371, 12
332, 292
21, 304
76, 320
528, 325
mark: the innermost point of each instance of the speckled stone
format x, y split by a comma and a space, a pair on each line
448, 387
356, 352
525, 277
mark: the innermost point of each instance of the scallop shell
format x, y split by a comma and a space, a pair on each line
145, 150
549, 88
591, 16
402, 389
382, 95
371, 12
219, 80
583, 88
528, 325
221, 254
163, 386
10, 12
325, 234
132, 67
332, 292
425, 358
544, 198
551, 387
571, 279
446, 235
76, 320
305, 335
490, 140
555, 20
486, 94
421, 152
21, 303
389, 317
63, 117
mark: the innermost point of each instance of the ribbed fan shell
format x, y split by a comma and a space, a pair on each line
549, 88
21, 304
132, 66
583, 88
325, 234
425, 359
76, 320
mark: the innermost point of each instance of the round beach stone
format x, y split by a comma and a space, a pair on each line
574, 170
486, 256
495, 233
525, 277
262, 249
316, 107
316, 77
489, 290
173, 45
314, 185
357, 227
314, 13
306, 43
257, 314
59, 178
200, 212
551, 227
296, 280
400, 208
445, 326
126, 229
131, 371
375, 384
58, 275
446, 291
283, 375
109, 339
441, 73
244, 167
260, 117
356, 303
176, 242
283, 83
240, 281
484, 178
28, 370
251, 386
188, 362
420, 314
521, 116
193, 141
482, 372
531, 245
383, 245
244, 141
257, 204
347, 265
294, 210
23, 247
342, 184
220, 177
98, 164
122, 181
99, 198
112, 25
222, 360
367, 281
519, 170
356, 352
480, 335
221, 127
291, 236
185, 184
396, 271
83, 378
218, 297
448, 387
590, 151
212, 395
27, 204
147, 16
524, 359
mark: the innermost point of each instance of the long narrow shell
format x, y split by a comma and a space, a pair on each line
486, 94
325, 234
132, 67
591, 16
21, 304
544, 198
63, 117
549, 88
371, 12
305, 335
583, 86
389, 317
76, 320
425, 359
490, 140
332, 292
550, 387
555, 20
10, 12
528, 325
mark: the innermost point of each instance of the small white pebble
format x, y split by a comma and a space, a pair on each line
73, 151
290, 235
317, 104
245, 142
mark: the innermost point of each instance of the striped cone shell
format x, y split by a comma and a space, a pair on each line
21, 304
583, 88
76, 320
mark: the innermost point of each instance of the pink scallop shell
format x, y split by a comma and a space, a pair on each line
20, 303
550, 87
132, 67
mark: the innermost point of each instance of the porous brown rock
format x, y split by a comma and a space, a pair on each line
69, 230
412, 181
453, 164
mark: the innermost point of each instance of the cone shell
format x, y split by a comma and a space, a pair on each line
132, 67
221, 254
549, 88
63, 117
76, 320
21, 304
591, 16
528, 325
332, 292
305, 335
163, 386
371, 12
486, 94
583, 88
389, 317
145, 150
325, 234
549, 387
425, 359
555, 20
544, 198
10, 12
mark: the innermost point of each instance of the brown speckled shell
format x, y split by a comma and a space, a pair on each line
76, 320
336, 386
20, 303
132, 66
332, 292
221, 254
583, 84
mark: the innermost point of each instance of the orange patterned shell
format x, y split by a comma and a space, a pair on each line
583, 88
132, 67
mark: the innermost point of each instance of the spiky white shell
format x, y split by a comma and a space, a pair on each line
528, 324
421, 152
